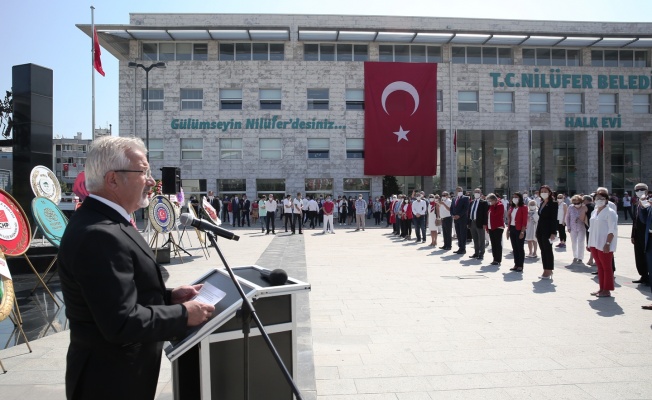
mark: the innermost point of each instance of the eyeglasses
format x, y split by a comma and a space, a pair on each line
147, 172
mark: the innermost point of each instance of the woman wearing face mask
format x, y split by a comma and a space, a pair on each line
406, 219
547, 229
562, 208
603, 240
575, 217
516, 226
434, 218
530, 234
495, 226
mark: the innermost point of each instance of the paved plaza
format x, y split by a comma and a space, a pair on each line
394, 320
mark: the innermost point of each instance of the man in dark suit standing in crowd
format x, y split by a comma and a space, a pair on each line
119, 309
460, 213
478, 223
246, 209
638, 235
214, 201
236, 206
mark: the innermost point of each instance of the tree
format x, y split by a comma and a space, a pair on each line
6, 113
390, 185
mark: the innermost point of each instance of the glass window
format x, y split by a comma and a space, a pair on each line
317, 99
467, 101
354, 148
326, 52
276, 51
608, 103
529, 57
227, 51
610, 58
434, 54
192, 99
440, 100
200, 51
474, 55
401, 53
505, 56
228, 186
504, 102
271, 149
574, 103
319, 185
418, 53
596, 58
192, 149
260, 51
156, 149
489, 55
155, 99
558, 57
386, 52
357, 184
355, 99
318, 148
270, 99
230, 149
310, 52
150, 51
640, 59
166, 51
626, 58
230, 99
344, 52
459, 55
539, 103
543, 56
243, 51
573, 58
184, 51
271, 186
360, 52
641, 104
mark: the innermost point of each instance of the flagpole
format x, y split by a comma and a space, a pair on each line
93, 70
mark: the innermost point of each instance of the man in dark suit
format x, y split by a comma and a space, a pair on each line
119, 309
460, 213
646, 210
246, 209
478, 223
236, 206
638, 235
214, 201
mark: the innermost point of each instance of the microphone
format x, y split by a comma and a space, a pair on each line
277, 277
205, 226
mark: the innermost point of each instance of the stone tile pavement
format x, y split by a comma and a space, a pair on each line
389, 319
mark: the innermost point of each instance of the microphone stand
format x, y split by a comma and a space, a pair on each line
248, 313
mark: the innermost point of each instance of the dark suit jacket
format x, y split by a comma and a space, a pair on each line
117, 306
246, 205
215, 203
480, 214
460, 206
236, 206
548, 223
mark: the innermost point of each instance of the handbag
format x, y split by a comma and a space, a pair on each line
438, 222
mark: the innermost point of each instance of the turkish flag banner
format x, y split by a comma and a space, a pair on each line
97, 61
400, 120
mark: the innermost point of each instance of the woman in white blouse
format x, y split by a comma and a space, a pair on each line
603, 239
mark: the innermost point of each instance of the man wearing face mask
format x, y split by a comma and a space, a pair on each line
445, 204
460, 213
478, 222
419, 208
638, 235
360, 212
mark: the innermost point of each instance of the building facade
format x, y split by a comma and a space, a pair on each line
69, 158
275, 103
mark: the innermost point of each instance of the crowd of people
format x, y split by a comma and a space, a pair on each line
588, 222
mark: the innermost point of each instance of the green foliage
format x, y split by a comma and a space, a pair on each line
390, 185
64, 187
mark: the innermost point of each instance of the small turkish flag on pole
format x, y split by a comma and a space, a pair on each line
400, 122
97, 61
455, 141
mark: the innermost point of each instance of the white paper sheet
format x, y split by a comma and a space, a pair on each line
4, 268
209, 294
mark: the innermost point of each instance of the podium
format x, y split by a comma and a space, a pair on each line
208, 363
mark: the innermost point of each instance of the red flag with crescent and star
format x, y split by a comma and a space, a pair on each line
400, 120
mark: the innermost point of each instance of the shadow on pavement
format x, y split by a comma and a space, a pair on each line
513, 276
544, 286
606, 306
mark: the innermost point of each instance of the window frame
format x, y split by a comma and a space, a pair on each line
188, 101
270, 103
435, 58
225, 150
618, 63
355, 48
460, 102
551, 60
534, 104
354, 103
148, 99
571, 104
194, 54
316, 103
636, 105
354, 146
270, 149
273, 53
614, 104
156, 152
318, 151
497, 57
231, 103
191, 150
503, 102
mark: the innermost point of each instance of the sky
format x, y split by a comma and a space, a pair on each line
43, 32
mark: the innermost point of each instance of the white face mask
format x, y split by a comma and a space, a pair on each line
600, 203
578, 205
459, 194
533, 208
544, 195
476, 195
560, 200
640, 193
515, 201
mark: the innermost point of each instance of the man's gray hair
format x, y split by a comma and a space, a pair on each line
642, 185
106, 154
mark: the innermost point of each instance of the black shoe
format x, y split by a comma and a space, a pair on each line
641, 280
473, 256
594, 273
460, 252
267, 233
495, 263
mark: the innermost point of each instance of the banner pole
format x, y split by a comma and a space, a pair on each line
93, 70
